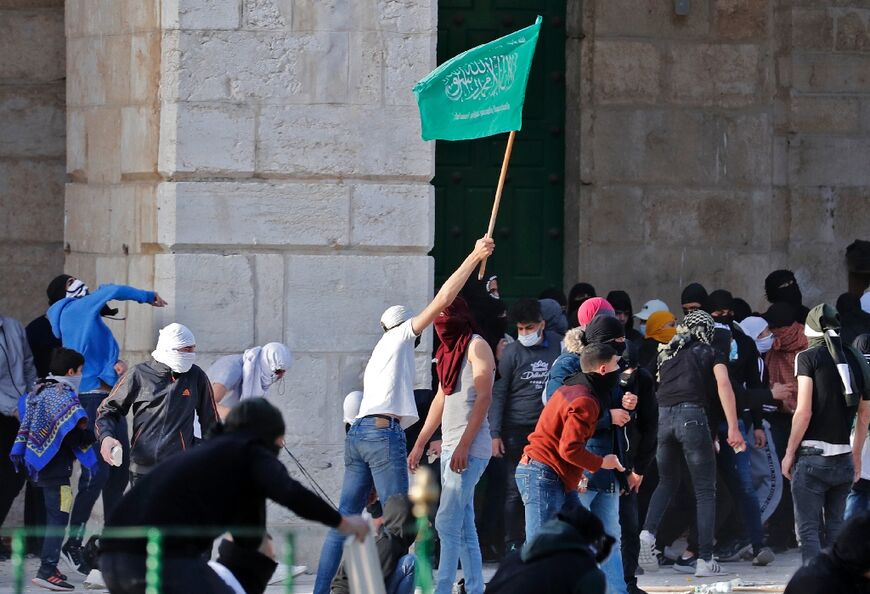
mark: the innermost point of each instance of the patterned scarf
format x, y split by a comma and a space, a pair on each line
50, 412
697, 325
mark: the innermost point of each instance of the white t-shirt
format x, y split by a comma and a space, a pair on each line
388, 382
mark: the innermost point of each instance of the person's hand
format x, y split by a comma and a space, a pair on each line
459, 458
619, 417
629, 401
414, 458
354, 525
583, 485
856, 462
106, 448
497, 447
780, 391
760, 438
634, 481
611, 462
159, 301
120, 367
735, 439
499, 348
435, 448
483, 248
787, 464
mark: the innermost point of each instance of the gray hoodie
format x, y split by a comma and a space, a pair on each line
17, 373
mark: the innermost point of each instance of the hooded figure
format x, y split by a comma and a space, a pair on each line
694, 295
621, 302
554, 317
455, 327
41, 339
392, 542
788, 341
576, 296
592, 307
561, 559
660, 327
489, 312
781, 285
238, 377
845, 567
822, 329
853, 319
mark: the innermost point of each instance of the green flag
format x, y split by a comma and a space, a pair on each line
481, 91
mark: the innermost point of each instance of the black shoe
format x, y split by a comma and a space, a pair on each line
634, 589
735, 553
55, 582
71, 555
686, 565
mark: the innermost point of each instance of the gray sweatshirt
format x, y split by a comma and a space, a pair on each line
516, 395
17, 373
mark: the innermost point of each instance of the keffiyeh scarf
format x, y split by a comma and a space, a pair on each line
697, 325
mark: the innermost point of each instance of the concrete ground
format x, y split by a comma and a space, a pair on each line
768, 579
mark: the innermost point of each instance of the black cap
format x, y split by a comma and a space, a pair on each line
718, 300
695, 293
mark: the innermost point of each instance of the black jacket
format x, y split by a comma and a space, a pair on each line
42, 343
222, 483
163, 404
557, 561
825, 574
642, 431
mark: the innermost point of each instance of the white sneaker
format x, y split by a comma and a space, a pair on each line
648, 556
709, 568
95, 581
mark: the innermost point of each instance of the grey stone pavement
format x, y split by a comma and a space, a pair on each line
767, 579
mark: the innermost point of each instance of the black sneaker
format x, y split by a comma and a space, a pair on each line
736, 552
71, 554
683, 565
55, 582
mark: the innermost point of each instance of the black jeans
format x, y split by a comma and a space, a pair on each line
820, 484
515, 440
55, 520
629, 522
780, 526
124, 573
684, 434
10, 481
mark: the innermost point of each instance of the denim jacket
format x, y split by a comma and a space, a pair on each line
608, 439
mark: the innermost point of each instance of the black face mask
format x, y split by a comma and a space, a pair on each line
727, 319
619, 347
603, 385
790, 294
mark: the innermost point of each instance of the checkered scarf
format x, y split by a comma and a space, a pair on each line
698, 325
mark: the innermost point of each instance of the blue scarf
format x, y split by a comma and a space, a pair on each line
48, 414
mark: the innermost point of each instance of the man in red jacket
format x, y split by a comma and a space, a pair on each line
551, 469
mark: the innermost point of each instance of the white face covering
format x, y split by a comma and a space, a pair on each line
260, 366
174, 337
76, 289
529, 340
764, 344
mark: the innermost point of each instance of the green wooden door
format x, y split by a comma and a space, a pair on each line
528, 231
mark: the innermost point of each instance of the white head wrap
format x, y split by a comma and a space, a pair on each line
753, 326
352, 403
173, 337
394, 316
259, 365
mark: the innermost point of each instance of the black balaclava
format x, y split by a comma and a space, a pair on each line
718, 300
57, 288
695, 293
848, 303
604, 330
780, 315
790, 294
741, 308
622, 302
578, 294
258, 417
489, 313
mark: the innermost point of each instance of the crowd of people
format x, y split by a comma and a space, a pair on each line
573, 452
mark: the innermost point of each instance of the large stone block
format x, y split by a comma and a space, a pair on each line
140, 333
32, 122
311, 391
317, 287
649, 19
31, 195
812, 28
76, 142
87, 215
743, 145
614, 213
32, 266
821, 160
741, 19
87, 18
343, 141
811, 214
393, 215
851, 215
831, 73
276, 214
243, 65
145, 61
853, 30
268, 14
202, 138
408, 59
86, 85
103, 141
140, 128
627, 72
211, 294
824, 114
269, 292
723, 75
201, 14
366, 71
32, 46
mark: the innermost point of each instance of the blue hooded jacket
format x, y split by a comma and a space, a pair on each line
79, 326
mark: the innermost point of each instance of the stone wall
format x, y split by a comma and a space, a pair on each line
718, 146
258, 163
32, 129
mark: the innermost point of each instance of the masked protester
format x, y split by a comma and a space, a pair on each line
781, 285
223, 482
693, 298
591, 308
578, 294
853, 320
621, 303
551, 468
489, 312
833, 381
690, 369
561, 559
237, 377
164, 394
660, 329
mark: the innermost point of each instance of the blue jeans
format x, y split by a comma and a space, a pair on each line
455, 525
373, 456
543, 495
55, 521
402, 580
108, 480
737, 474
605, 506
857, 502
820, 484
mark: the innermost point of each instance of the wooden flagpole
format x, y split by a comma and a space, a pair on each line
497, 201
